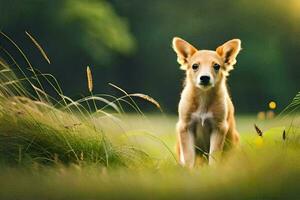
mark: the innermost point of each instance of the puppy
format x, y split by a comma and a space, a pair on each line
206, 114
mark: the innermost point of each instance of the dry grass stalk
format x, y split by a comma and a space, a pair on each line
148, 98
89, 78
38, 46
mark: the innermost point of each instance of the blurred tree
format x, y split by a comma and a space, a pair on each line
267, 68
90, 25
74, 33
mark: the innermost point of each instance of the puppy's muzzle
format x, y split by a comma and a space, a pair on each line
204, 80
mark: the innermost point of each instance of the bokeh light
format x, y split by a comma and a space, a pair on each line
272, 105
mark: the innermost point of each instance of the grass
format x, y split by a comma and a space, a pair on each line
259, 170
90, 149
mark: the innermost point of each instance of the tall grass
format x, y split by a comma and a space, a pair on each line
293, 107
38, 128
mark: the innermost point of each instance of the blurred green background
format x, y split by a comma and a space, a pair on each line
128, 43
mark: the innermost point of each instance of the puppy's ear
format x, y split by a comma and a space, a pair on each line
229, 51
184, 50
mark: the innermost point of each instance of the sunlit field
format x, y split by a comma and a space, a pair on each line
95, 148
144, 166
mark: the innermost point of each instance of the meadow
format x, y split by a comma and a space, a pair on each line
93, 148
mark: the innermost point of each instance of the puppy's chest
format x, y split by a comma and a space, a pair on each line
203, 114
203, 117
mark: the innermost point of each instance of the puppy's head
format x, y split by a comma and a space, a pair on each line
206, 68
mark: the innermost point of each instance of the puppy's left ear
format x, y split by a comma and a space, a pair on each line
229, 51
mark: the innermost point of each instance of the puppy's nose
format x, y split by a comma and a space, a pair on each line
204, 80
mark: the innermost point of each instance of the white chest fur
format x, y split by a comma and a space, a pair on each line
205, 116
202, 116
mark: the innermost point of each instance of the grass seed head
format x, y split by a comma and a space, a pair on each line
147, 98
258, 131
89, 78
39, 47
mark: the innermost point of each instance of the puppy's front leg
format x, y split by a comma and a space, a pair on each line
186, 145
217, 140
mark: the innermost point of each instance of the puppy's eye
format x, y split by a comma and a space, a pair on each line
216, 67
195, 66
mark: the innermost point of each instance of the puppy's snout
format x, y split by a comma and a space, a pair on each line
204, 80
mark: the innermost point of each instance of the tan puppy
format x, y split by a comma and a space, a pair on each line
206, 113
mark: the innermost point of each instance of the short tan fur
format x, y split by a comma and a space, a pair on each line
206, 112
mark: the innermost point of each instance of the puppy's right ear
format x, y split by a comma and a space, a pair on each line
184, 50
